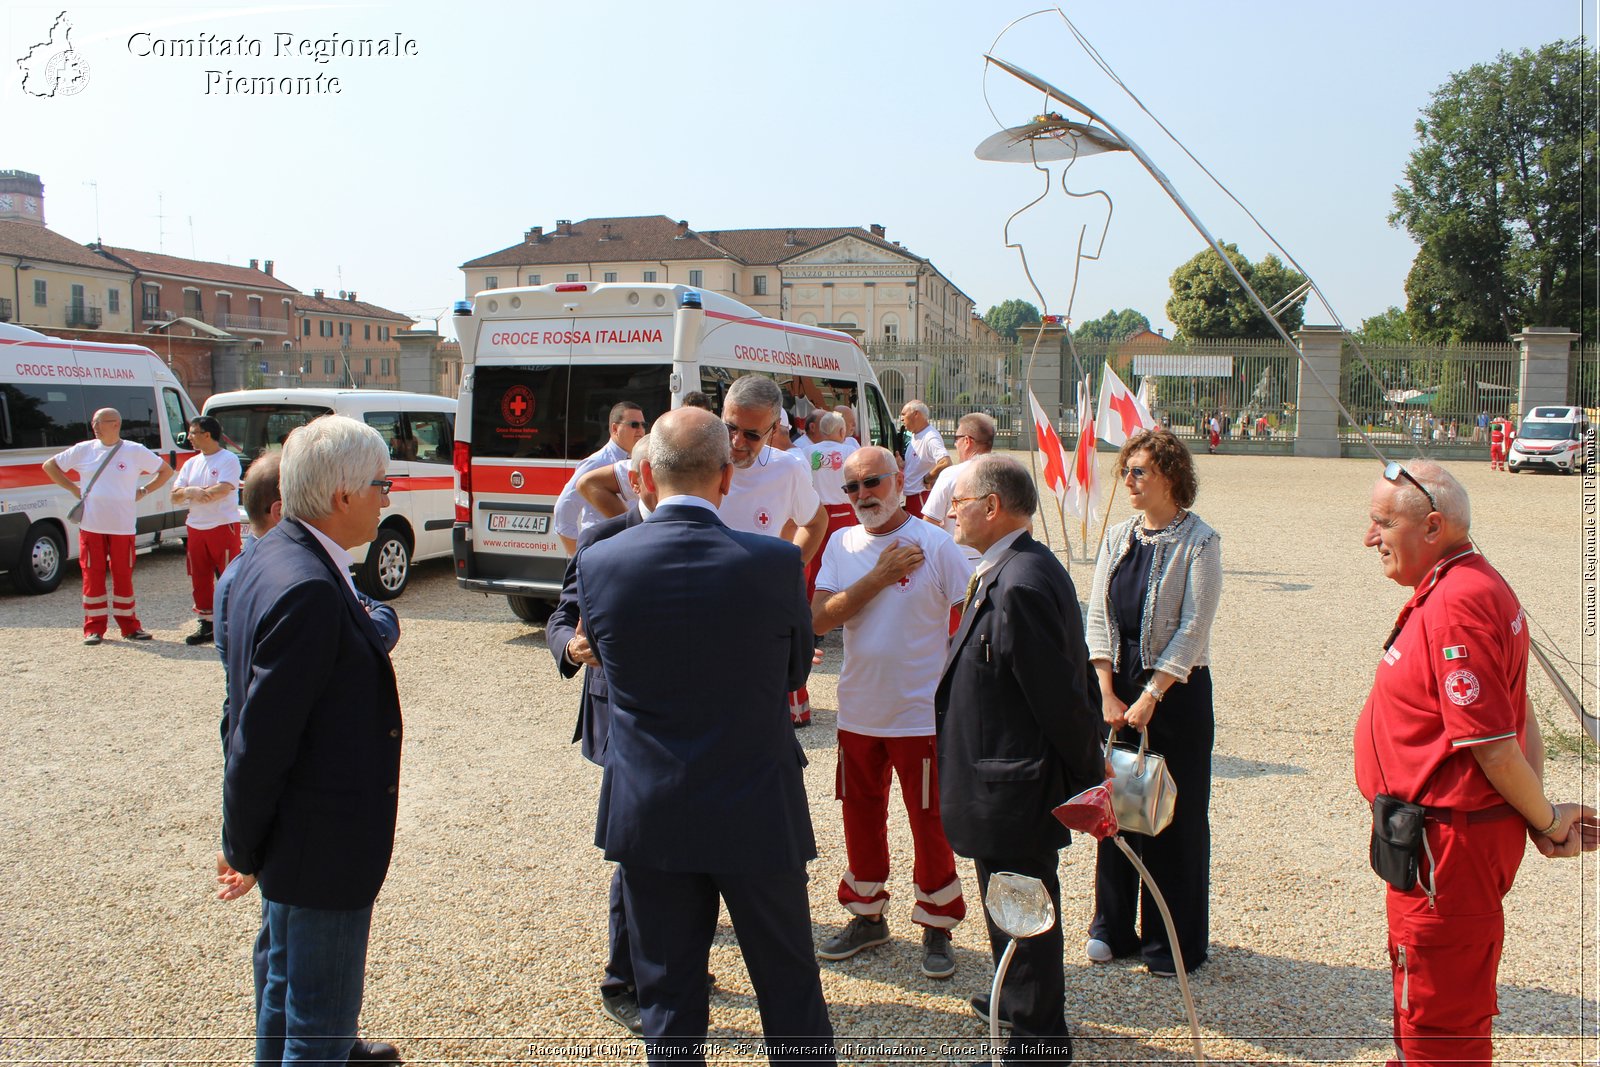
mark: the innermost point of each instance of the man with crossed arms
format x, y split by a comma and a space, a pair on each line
890, 582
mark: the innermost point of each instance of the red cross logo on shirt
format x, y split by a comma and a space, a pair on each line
763, 519
1461, 687
904, 582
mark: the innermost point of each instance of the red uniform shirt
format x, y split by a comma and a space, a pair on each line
1455, 676
1498, 432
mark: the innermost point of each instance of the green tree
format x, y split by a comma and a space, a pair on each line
1388, 329
1494, 194
1208, 302
1114, 325
1004, 318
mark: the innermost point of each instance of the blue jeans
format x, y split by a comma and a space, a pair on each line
311, 997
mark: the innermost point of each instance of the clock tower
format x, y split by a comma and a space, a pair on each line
21, 197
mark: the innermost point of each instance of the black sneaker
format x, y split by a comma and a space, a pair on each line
980, 1008
861, 933
202, 635
937, 960
622, 1007
92, 639
140, 635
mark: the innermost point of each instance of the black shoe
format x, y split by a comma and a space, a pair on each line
861, 932
202, 635
622, 1007
980, 1008
140, 635
937, 960
364, 1051
93, 639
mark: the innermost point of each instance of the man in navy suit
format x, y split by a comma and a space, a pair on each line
703, 794
312, 772
1017, 732
570, 646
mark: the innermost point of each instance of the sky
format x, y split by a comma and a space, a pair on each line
736, 115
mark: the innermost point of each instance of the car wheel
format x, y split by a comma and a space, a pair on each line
42, 561
388, 566
530, 609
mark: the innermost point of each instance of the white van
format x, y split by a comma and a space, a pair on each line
541, 368
419, 428
1551, 438
49, 389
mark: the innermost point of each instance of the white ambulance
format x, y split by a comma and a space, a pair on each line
419, 429
49, 389
542, 367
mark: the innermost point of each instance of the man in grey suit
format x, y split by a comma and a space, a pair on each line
1017, 732
703, 795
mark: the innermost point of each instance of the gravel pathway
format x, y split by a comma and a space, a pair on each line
489, 937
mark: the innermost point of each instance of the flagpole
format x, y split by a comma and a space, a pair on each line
1111, 494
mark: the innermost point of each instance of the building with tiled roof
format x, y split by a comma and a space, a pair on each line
56, 283
841, 276
249, 303
344, 340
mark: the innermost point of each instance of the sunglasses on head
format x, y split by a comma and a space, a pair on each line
852, 488
1395, 471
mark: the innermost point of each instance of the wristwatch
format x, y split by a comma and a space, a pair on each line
1555, 820
1154, 693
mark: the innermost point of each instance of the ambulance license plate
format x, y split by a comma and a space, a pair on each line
519, 523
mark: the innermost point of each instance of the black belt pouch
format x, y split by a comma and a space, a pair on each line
1396, 839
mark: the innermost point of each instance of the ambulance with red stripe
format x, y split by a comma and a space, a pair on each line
419, 429
542, 367
49, 390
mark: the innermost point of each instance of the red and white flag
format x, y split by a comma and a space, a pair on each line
1083, 480
1122, 415
1049, 445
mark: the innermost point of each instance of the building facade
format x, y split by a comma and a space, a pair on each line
842, 277
51, 282
346, 341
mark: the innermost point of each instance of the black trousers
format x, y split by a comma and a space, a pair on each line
1034, 994
1179, 858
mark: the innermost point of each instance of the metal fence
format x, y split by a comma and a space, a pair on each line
1430, 396
1583, 378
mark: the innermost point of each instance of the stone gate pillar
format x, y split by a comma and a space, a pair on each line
1546, 360
1317, 413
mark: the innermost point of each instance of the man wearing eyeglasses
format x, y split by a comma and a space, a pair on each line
1447, 726
974, 437
314, 714
890, 582
925, 457
573, 513
772, 493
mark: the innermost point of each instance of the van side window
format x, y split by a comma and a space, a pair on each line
388, 424
45, 416
176, 419
432, 436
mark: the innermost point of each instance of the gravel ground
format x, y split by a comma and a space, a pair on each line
489, 937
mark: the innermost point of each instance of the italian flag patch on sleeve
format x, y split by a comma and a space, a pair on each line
1455, 652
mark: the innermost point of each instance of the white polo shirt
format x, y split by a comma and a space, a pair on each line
938, 504
927, 448
894, 648
112, 506
202, 472
827, 471
573, 513
772, 491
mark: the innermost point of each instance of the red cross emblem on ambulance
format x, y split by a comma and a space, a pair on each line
1461, 687
763, 518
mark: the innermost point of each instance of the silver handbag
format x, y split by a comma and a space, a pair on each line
1142, 790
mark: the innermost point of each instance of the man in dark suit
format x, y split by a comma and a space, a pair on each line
703, 794
1017, 733
312, 772
570, 646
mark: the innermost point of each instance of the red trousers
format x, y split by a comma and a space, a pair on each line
862, 786
209, 553
1497, 457
95, 553
914, 503
1446, 957
840, 516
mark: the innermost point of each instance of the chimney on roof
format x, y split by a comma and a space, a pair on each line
255, 264
605, 232
683, 229
352, 296
534, 236
317, 293
564, 227
877, 229
790, 240
267, 266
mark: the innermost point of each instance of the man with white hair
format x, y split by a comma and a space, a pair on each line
1447, 744
772, 492
890, 582
925, 457
315, 714
827, 457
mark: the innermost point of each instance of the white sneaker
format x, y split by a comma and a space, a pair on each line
1098, 951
